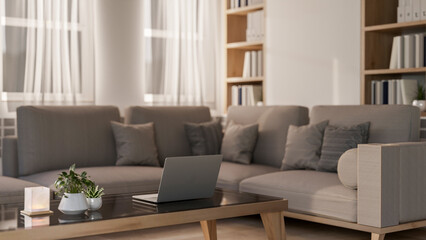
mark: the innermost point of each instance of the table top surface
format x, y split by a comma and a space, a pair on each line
122, 206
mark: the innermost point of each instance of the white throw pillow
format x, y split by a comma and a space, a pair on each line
347, 168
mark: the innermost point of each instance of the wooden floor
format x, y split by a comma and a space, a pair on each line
249, 228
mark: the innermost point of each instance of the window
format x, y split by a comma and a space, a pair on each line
47, 51
182, 52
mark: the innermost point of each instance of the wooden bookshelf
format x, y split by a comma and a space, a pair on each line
235, 47
379, 26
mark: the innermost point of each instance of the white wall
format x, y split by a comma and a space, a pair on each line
118, 51
313, 52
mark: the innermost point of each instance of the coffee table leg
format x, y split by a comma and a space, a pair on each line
274, 225
209, 229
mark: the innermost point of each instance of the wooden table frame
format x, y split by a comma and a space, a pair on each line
271, 213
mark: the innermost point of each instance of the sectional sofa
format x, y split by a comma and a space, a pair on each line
50, 139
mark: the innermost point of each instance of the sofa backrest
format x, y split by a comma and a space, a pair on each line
55, 137
273, 126
169, 129
388, 123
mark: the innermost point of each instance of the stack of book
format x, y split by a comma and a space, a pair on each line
246, 95
255, 26
243, 3
253, 64
411, 10
408, 51
395, 91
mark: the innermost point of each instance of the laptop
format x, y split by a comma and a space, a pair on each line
186, 178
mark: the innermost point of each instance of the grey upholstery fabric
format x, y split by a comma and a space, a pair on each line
55, 137
388, 123
347, 168
303, 146
205, 138
239, 142
273, 125
338, 140
12, 189
169, 126
231, 174
10, 166
114, 179
311, 192
135, 144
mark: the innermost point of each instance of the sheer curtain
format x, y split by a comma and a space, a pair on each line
58, 51
182, 52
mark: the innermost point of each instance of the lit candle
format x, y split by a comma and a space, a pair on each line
37, 200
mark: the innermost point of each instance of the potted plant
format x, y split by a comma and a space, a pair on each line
71, 186
420, 98
94, 197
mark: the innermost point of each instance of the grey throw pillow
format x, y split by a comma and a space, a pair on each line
338, 140
303, 147
205, 138
135, 144
239, 142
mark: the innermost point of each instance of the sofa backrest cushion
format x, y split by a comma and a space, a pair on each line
388, 123
273, 126
169, 126
55, 137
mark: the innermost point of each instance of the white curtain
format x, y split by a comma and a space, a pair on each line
182, 49
53, 50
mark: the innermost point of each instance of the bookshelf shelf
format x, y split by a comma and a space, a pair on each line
243, 42
240, 80
244, 10
398, 28
394, 71
255, 45
379, 26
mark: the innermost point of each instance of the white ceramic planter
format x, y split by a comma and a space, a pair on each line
94, 203
420, 104
73, 203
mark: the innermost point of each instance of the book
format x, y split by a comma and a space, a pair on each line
240, 94
401, 14
259, 63
423, 9
397, 53
408, 11
398, 92
408, 90
419, 50
253, 66
416, 10
247, 64
373, 92
234, 95
378, 92
391, 92
409, 55
385, 92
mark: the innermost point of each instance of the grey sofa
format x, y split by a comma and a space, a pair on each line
50, 139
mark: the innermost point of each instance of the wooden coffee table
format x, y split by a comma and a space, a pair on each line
120, 213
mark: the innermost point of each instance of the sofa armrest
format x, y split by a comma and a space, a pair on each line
10, 156
391, 183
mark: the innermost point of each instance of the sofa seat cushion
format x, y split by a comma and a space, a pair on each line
114, 179
312, 192
231, 174
12, 189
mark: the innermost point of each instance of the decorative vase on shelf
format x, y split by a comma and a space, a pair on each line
420, 104
73, 203
94, 203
